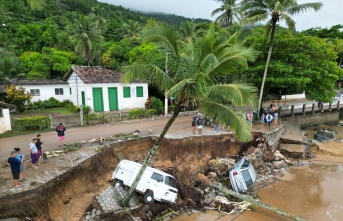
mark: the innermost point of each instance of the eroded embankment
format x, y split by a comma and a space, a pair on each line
60, 198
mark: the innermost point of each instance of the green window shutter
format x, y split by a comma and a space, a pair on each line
127, 92
139, 91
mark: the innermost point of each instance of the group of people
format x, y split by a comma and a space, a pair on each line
197, 123
269, 117
16, 160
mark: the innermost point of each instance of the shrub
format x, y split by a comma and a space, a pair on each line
31, 123
72, 108
18, 97
171, 108
86, 110
157, 104
150, 112
135, 113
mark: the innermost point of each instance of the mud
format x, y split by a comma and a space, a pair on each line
67, 196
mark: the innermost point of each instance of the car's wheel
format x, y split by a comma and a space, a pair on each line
118, 183
149, 197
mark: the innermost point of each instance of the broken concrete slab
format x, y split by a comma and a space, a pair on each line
292, 150
292, 134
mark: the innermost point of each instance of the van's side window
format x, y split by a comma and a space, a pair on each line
170, 181
157, 177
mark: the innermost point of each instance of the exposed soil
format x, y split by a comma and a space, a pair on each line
64, 186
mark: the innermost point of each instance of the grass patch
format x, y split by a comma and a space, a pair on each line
43, 112
17, 133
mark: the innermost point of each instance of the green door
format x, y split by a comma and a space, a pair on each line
83, 98
98, 102
113, 98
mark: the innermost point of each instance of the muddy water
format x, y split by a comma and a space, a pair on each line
314, 193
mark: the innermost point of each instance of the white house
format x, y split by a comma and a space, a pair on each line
44, 89
101, 89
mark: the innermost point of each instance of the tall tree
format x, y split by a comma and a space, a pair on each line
85, 34
202, 66
132, 28
275, 11
230, 11
36, 4
97, 15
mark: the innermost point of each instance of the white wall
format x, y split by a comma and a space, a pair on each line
5, 121
77, 86
47, 91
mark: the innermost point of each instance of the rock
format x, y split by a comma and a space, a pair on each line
209, 197
292, 150
88, 217
93, 210
97, 218
207, 190
93, 216
98, 212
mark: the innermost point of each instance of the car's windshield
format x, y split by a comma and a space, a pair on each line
170, 181
247, 178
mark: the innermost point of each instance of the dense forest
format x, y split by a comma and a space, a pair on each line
42, 42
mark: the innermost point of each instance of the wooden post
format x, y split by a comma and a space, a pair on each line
256, 202
321, 107
292, 109
313, 107
304, 109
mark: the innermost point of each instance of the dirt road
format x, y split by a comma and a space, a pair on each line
79, 134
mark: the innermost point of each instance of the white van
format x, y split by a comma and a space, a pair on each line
242, 175
154, 184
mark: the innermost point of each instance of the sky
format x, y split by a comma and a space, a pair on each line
329, 15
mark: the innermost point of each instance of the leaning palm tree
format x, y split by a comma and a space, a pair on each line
230, 11
85, 34
275, 11
197, 80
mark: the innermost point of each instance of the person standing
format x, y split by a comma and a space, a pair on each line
250, 116
33, 151
194, 123
217, 128
39, 147
60, 129
199, 123
263, 116
15, 168
276, 115
20, 157
269, 119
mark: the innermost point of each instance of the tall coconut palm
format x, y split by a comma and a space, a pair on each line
132, 28
85, 34
97, 15
230, 11
197, 81
275, 11
36, 4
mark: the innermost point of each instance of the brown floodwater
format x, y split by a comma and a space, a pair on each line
314, 193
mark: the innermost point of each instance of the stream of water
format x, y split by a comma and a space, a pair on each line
314, 193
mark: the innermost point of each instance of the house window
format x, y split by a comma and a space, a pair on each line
139, 91
35, 92
58, 91
127, 92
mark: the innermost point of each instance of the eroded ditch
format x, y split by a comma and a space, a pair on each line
68, 196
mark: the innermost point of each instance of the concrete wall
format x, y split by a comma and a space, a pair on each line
293, 96
47, 91
272, 137
313, 119
77, 86
5, 121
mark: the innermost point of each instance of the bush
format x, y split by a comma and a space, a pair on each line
31, 123
86, 110
157, 104
72, 108
135, 113
150, 112
171, 108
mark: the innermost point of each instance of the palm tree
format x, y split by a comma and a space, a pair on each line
230, 11
197, 81
132, 28
275, 11
36, 4
85, 34
97, 15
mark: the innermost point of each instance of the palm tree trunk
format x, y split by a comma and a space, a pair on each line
266, 68
125, 201
165, 94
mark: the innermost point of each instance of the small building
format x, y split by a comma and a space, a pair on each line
44, 89
5, 118
101, 89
